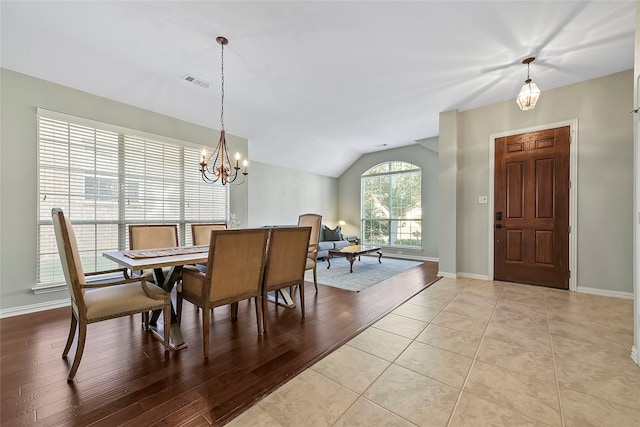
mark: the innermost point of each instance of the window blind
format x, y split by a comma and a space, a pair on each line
105, 178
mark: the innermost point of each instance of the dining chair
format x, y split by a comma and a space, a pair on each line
201, 233
234, 273
286, 260
314, 221
101, 299
153, 236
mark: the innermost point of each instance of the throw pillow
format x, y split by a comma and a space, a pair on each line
332, 235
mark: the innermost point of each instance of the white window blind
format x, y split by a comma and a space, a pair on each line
105, 178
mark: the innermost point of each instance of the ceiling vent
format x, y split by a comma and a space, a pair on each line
197, 81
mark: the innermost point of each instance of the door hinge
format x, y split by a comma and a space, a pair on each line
569, 183
569, 229
569, 274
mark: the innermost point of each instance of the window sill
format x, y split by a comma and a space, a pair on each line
47, 289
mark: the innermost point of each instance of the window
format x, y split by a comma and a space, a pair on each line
391, 207
105, 178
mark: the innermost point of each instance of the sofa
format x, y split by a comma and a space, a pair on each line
330, 239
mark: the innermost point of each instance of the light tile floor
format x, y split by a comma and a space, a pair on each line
473, 353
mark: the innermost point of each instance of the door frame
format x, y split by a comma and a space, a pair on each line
573, 192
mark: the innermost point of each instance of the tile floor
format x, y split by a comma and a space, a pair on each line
473, 353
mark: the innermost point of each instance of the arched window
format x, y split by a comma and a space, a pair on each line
391, 205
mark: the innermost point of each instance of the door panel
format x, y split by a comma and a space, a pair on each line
532, 191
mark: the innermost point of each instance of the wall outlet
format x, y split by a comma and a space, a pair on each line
482, 200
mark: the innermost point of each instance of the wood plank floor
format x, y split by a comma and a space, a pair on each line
125, 377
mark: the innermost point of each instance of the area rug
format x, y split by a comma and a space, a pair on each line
366, 272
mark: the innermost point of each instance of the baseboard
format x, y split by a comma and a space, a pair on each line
406, 256
447, 275
463, 275
634, 355
473, 276
34, 308
402, 256
604, 292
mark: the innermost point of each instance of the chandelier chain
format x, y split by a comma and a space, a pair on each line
222, 87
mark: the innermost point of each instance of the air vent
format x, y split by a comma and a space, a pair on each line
197, 81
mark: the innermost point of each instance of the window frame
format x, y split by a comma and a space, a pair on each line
387, 169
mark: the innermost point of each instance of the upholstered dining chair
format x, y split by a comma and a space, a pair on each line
234, 273
153, 236
101, 300
201, 233
314, 221
286, 261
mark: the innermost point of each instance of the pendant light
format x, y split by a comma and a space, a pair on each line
217, 166
529, 93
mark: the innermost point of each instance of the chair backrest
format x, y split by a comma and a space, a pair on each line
153, 236
286, 257
236, 264
201, 233
69, 257
314, 221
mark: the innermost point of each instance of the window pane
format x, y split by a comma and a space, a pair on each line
375, 231
406, 233
375, 197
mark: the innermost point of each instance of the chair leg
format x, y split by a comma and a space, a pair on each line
301, 286
82, 337
258, 301
72, 334
234, 310
145, 320
206, 322
315, 278
166, 311
264, 311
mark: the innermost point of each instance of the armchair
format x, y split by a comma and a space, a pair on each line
314, 221
286, 261
234, 273
102, 300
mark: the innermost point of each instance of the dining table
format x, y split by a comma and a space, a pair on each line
174, 258
156, 260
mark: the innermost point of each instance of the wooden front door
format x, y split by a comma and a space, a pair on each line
531, 227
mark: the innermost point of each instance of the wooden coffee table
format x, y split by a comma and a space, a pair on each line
351, 252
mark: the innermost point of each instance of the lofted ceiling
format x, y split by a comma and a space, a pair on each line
313, 85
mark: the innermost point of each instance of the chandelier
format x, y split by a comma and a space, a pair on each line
218, 166
529, 93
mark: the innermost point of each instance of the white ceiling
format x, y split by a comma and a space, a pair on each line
315, 84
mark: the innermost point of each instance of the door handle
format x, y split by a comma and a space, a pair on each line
498, 225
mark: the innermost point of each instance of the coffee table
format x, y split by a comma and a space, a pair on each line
351, 252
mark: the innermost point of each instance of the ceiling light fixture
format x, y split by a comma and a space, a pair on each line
529, 93
218, 166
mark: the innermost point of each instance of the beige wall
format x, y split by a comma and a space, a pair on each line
604, 171
278, 195
349, 194
636, 168
21, 95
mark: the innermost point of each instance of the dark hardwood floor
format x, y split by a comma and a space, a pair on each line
125, 377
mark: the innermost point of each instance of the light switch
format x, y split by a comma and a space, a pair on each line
482, 200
